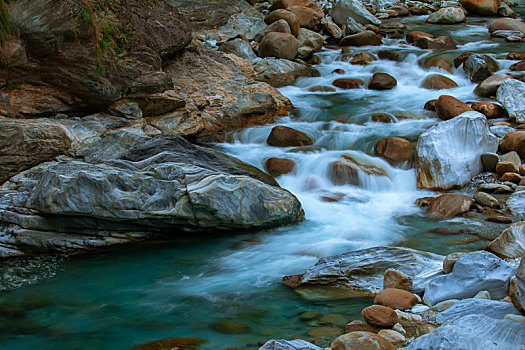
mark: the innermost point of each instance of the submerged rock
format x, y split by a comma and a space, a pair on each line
437, 167
360, 273
473, 272
473, 332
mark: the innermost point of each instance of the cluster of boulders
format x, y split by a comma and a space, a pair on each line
421, 300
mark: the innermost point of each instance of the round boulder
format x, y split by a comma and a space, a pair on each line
288, 16
280, 26
448, 107
438, 82
380, 316
489, 86
382, 81
279, 166
283, 136
415, 35
518, 66
397, 279
479, 67
447, 15
481, 7
307, 17
361, 341
489, 109
279, 45
396, 150
507, 24
396, 299
362, 58
513, 141
366, 38
449, 205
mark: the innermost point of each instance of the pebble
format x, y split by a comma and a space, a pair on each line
445, 304
483, 294
420, 308
516, 318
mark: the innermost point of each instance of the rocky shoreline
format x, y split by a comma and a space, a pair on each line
92, 159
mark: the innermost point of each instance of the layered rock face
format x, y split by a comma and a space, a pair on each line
127, 187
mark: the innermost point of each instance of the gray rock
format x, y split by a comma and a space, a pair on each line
137, 188
472, 273
280, 72
238, 47
447, 15
354, 9
473, 332
511, 242
310, 39
495, 188
360, 273
478, 67
352, 27
519, 289
248, 22
511, 95
501, 130
489, 159
516, 203
507, 33
490, 308
438, 167
282, 344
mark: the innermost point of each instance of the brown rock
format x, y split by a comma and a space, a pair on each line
478, 67
284, 4
338, 71
521, 170
380, 316
519, 66
450, 261
396, 299
360, 326
361, 341
458, 61
12, 54
439, 43
448, 107
506, 167
449, 205
424, 329
390, 55
513, 141
438, 82
280, 26
382, 81
507, 24
279, 45
397, 279
424, 202
366, 38
348, 83
430, 105
292, 280
489, 109
26, 143
346, 171
396, 150
288, 16
382, 118
490, 85
308, 18
512, 177
279, 166
441, 61
514, 298
395, 338
324, 332
516, 55
415, 35
510, 243
283, 136
481, 7
229, 327
362, 58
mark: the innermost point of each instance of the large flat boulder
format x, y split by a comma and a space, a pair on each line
449, 153
472, 273
491, 308
360, 273
473, 332
127, 187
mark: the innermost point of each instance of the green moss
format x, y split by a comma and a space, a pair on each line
8, 29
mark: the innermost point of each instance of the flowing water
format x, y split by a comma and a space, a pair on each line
135, 295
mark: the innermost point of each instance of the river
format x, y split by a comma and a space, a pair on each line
134, 295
